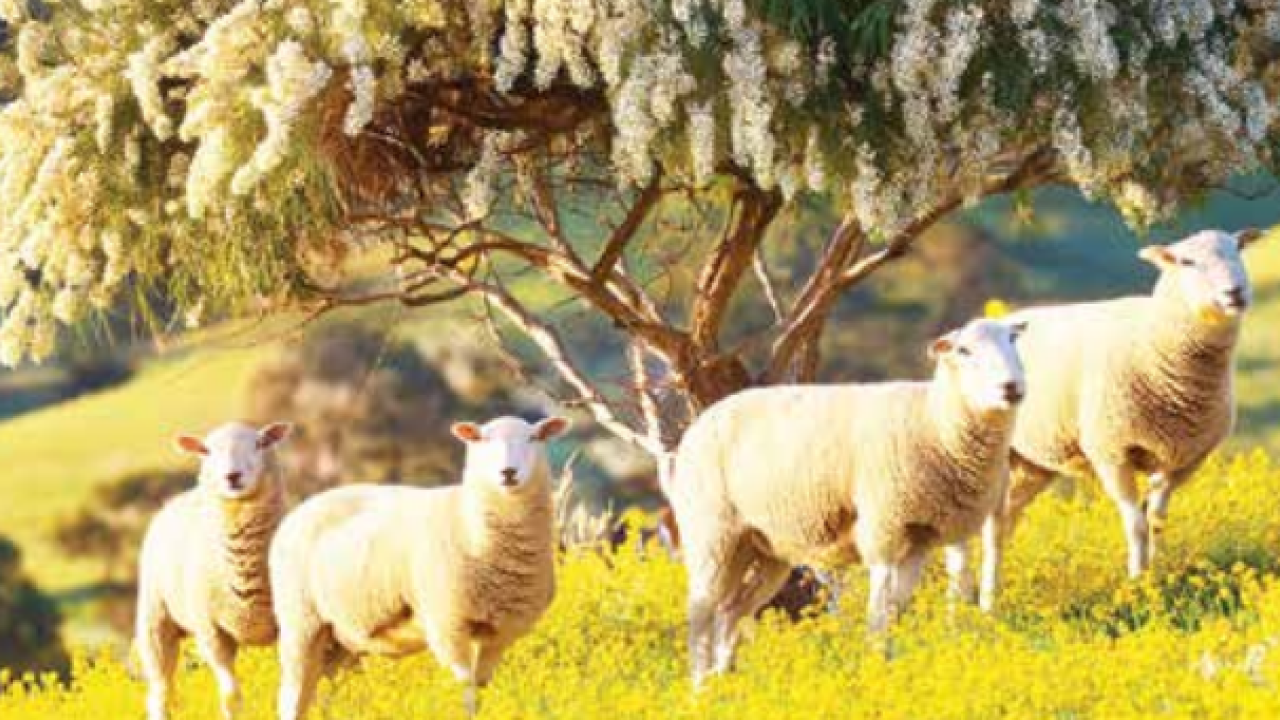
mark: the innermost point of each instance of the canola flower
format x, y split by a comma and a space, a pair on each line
1200, 638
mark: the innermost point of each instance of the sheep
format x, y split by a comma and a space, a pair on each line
1132, 385
202, 567
464, 570
831, 474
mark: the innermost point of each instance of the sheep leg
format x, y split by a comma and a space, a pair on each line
879, 597
219, 653
714, 568
995, 533
157, 645
768, 577
1118, 481
906, 576
1163, 485
960, 586
302, 661
1026, 482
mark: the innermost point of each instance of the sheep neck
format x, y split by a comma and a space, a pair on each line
1178, 332
972, 440
247, 527
1189, 366
520, 521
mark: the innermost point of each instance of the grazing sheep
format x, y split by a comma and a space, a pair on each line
464, 570
203, 565
1137, 384
774, 477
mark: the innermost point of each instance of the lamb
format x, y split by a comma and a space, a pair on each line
1132, 385
778, 476
464, 570
203, 564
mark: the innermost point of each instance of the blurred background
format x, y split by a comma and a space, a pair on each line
86, 442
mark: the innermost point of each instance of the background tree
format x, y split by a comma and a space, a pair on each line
619, 173
29, 620
111, 524
367, 408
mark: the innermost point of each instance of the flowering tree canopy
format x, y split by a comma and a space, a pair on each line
232, 151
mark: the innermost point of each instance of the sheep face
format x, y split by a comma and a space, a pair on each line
984, 363
508, 453
233, 457
1207, 272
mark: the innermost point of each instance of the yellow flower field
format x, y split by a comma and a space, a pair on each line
1073, 640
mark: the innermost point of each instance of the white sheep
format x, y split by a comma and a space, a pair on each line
464, 570
203, 564
825, 474
1132, 385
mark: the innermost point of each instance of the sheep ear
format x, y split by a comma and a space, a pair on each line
1247, 237
190, 445
1157, 255
551, 427
466, 432
942, 346
273, 434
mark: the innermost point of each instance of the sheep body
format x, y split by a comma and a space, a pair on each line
464, 571
807, 497
203, 563
831, 474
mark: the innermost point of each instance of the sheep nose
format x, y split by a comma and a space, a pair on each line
1235, 297
509, 477
1013, 392
233, 479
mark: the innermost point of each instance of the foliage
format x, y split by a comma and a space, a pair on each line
29, 619
231, 152
1199, 639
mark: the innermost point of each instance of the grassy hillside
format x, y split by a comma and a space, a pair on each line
53, 456
1073, 640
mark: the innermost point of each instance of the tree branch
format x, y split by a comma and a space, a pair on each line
809, 314
553, 347
626, 230
723, 272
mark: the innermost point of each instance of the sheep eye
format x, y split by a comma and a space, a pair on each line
964, 351
1186, 262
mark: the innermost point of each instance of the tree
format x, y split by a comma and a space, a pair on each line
611, 173
29, 620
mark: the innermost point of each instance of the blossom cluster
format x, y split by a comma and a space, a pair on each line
159, 121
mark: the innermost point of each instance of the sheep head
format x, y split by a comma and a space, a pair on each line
1207, 272
233, 458
981, 360
508, 453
